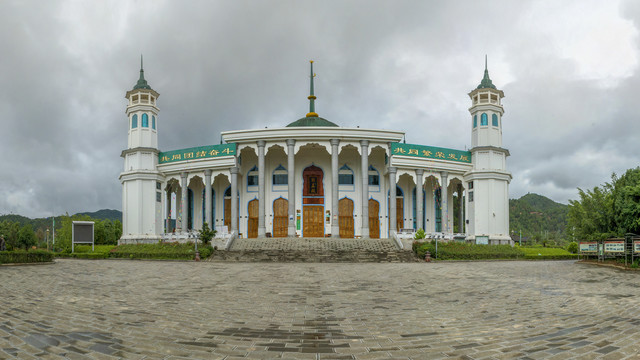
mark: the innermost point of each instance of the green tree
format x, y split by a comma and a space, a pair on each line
26, 237
206, 234
626, 202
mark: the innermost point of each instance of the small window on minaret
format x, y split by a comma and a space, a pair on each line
134, 121
153, 122
145, 120
484, 120
475, 121
494, 119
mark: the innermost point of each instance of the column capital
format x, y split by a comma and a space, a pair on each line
419, 172
261, 143
444, 174
207, 172
184, 175
234, 170
364, 142
392, 169
291, 142
335, 142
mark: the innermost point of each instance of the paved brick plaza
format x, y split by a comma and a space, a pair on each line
480, 310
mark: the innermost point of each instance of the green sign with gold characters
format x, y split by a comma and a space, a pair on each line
430, 152
202, 152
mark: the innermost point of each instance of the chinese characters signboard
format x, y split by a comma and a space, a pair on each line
202, 152
614, 246
430, 152
589, 247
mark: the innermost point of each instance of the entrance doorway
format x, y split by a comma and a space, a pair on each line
399, 209
374, 220
252, 224
280, 217
313, 202
345, 211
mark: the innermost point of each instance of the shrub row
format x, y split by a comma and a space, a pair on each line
174, 251
463, 251
22, 256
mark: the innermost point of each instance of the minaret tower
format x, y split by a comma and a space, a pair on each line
488, 183
141, 182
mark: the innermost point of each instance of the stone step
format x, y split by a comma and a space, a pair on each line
313, 250
356, 256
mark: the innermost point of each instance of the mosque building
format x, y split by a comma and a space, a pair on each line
314, 178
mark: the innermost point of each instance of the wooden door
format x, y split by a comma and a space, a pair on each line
280, 217
252, 224
399, 213
227, 214
374, 220
345, 211
313, 223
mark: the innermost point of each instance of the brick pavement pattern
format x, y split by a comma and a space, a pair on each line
103, 309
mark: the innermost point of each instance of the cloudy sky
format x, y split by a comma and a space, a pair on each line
569, 70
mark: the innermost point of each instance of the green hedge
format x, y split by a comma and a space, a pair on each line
95, 255
542, 253
22, 256
463, 251
172, 251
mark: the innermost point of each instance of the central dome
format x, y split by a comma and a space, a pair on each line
312, 121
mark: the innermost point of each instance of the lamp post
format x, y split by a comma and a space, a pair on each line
47, 236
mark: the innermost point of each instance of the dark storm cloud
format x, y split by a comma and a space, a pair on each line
406, 65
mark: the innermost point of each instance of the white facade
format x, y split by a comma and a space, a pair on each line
314, 178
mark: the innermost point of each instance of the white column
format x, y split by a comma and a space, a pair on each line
185, 202
461, 217
419, 196
392, 200
444, 202
168, 217
261, 200
234, 199
335, 225
291, 185
364, 149
207, 199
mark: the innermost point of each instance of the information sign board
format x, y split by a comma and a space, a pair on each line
614, 246
636, 246
590, 247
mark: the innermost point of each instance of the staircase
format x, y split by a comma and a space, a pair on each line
313, 250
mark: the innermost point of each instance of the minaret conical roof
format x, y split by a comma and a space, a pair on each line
486, 82
142, 83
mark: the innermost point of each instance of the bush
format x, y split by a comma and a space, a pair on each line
171, 251
548, 254
420, 234
462, 251
572, 247
90, 255
22, 256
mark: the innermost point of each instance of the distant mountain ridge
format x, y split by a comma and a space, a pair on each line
104, 214
538, 217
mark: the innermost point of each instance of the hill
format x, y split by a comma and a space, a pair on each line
538, 217
105, 214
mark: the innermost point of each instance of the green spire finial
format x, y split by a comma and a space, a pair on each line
486, 81
311, 97
142, 83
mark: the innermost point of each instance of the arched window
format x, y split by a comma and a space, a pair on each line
145, 120
134, 121
484, 120
494, 119
475, 121
252, 177
374, 176
153, 122
280, 176
345, 175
